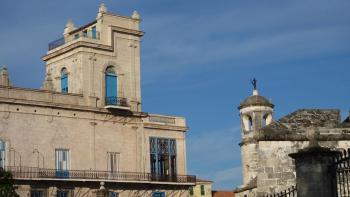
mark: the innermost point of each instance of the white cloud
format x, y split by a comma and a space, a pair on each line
244, 34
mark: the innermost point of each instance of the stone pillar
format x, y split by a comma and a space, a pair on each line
314, 177
4, 77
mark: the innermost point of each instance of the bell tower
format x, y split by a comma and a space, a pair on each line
255, 113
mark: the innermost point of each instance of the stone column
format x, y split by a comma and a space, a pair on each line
314, 177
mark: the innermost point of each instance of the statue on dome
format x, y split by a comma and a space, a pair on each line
253, 81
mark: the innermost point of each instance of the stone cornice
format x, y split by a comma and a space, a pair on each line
76, 45
165, 127
62, 106
128, 31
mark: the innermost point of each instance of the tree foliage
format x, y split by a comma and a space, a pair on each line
7, 188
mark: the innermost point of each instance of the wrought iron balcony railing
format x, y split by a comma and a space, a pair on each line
118, 101
37, 173
95, 35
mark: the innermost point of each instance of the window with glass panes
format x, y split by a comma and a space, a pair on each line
163, 156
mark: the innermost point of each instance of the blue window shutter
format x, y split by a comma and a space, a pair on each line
64, 83
111, 88
94, 33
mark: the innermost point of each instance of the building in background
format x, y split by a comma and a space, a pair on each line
84, 132
202, 188
266, 143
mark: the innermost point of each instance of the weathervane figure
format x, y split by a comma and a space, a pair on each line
253, 81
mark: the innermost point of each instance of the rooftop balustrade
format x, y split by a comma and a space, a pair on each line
93, 35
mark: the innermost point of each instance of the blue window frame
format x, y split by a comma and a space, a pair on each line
62, 163
94, 32
62, 193
158, 194
37, 193
111, 87
163, 157
2, 154
113, 194
64, 80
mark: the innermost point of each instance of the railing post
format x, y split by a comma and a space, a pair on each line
314, 176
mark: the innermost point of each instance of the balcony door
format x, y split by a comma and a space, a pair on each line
113, 161
163, 158
111, 87
62, 163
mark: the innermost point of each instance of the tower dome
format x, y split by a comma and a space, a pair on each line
255, 100
255, 111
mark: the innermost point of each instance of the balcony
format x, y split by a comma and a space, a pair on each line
93, 35
30, 173
116, 102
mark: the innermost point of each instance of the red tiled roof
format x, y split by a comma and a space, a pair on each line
223, 194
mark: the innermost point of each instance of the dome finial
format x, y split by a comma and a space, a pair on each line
254, 82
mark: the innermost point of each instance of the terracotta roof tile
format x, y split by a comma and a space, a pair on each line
223, 194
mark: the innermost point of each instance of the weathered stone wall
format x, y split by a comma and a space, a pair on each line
89, 135
276, 170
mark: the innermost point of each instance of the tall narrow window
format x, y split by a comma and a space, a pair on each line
191, 191
62, 163
202, 190
264, 120
64, 80
2, 154
163, 157
113, 162
111, 86
94, 32
250, 123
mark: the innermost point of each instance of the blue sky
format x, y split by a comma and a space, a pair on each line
198, 57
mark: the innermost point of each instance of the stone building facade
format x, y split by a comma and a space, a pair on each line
266, 143
84, 132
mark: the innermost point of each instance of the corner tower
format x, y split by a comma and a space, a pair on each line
99, 61
255, 112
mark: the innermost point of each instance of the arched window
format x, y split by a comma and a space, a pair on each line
64, 80
247, 122
264, 120
2, 154
250, 126
111, 84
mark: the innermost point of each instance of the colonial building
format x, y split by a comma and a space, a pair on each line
203, 188
84, 132
266, 143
